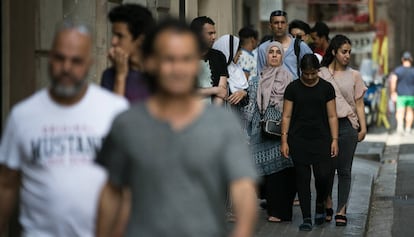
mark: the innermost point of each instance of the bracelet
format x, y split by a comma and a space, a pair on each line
283, 133
334, 138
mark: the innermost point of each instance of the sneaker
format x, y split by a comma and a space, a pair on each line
400, 130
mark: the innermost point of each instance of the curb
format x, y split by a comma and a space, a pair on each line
364, 183
381, 214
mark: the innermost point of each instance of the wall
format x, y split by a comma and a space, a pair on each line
18, 44
220, 11
28, 28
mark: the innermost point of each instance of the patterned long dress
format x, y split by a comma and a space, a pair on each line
266, 152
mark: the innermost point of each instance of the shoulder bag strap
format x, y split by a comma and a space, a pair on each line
231, 55
297, 53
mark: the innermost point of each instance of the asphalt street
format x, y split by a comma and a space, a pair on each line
404, 193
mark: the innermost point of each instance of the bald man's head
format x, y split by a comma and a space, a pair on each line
70, 60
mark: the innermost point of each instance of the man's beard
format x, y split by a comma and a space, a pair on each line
67, 91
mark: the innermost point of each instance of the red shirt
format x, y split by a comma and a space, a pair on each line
319, 51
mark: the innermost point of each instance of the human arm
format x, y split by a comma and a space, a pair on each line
219, 89
218, 92
333, 125
120, 60
115, 199
247, 74
236, 97
243, 195
124, 213
222, 91
286, 117
393, 87
240, 174
109, 209
361, 118
9, 187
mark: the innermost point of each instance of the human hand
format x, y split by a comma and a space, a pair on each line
394, 96
334, 148
285, 149
120, 59
236, 97
221, 92
361, 135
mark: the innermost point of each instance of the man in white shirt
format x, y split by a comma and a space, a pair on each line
49, 144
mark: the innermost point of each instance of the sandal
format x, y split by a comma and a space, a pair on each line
343, 222
307, 225
273, 219
329, 214
320, 218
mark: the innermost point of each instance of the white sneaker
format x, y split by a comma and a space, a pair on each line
400, 130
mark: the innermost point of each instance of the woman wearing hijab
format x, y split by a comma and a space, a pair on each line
266, 96
237, 81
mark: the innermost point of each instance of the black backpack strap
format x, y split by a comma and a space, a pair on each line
231, 56
297, 53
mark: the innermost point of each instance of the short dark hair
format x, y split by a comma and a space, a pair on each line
246, 33
321, 29
138, 18
168, 24
278, 13
198, 23
309, 61
299, 25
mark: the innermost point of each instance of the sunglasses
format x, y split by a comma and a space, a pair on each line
278, 13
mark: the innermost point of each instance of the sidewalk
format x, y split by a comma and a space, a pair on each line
365, 172
393, 203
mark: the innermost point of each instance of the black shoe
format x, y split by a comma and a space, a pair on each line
307, 225
320, 218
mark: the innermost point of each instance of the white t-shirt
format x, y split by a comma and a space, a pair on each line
54, 147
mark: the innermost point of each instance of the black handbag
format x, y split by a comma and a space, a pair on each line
271, 123
272, 128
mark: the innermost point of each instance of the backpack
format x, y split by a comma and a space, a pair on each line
297, 53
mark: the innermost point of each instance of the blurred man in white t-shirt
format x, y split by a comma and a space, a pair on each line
49, 144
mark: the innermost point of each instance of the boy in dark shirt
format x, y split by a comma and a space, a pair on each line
130, 24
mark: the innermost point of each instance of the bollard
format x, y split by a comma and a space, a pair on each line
383, 109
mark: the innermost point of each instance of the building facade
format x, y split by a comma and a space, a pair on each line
27, 29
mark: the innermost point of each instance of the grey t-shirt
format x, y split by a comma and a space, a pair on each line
179, 180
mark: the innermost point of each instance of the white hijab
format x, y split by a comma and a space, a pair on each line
237, 79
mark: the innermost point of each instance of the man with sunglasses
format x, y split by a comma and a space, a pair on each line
278, 24
300, 30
